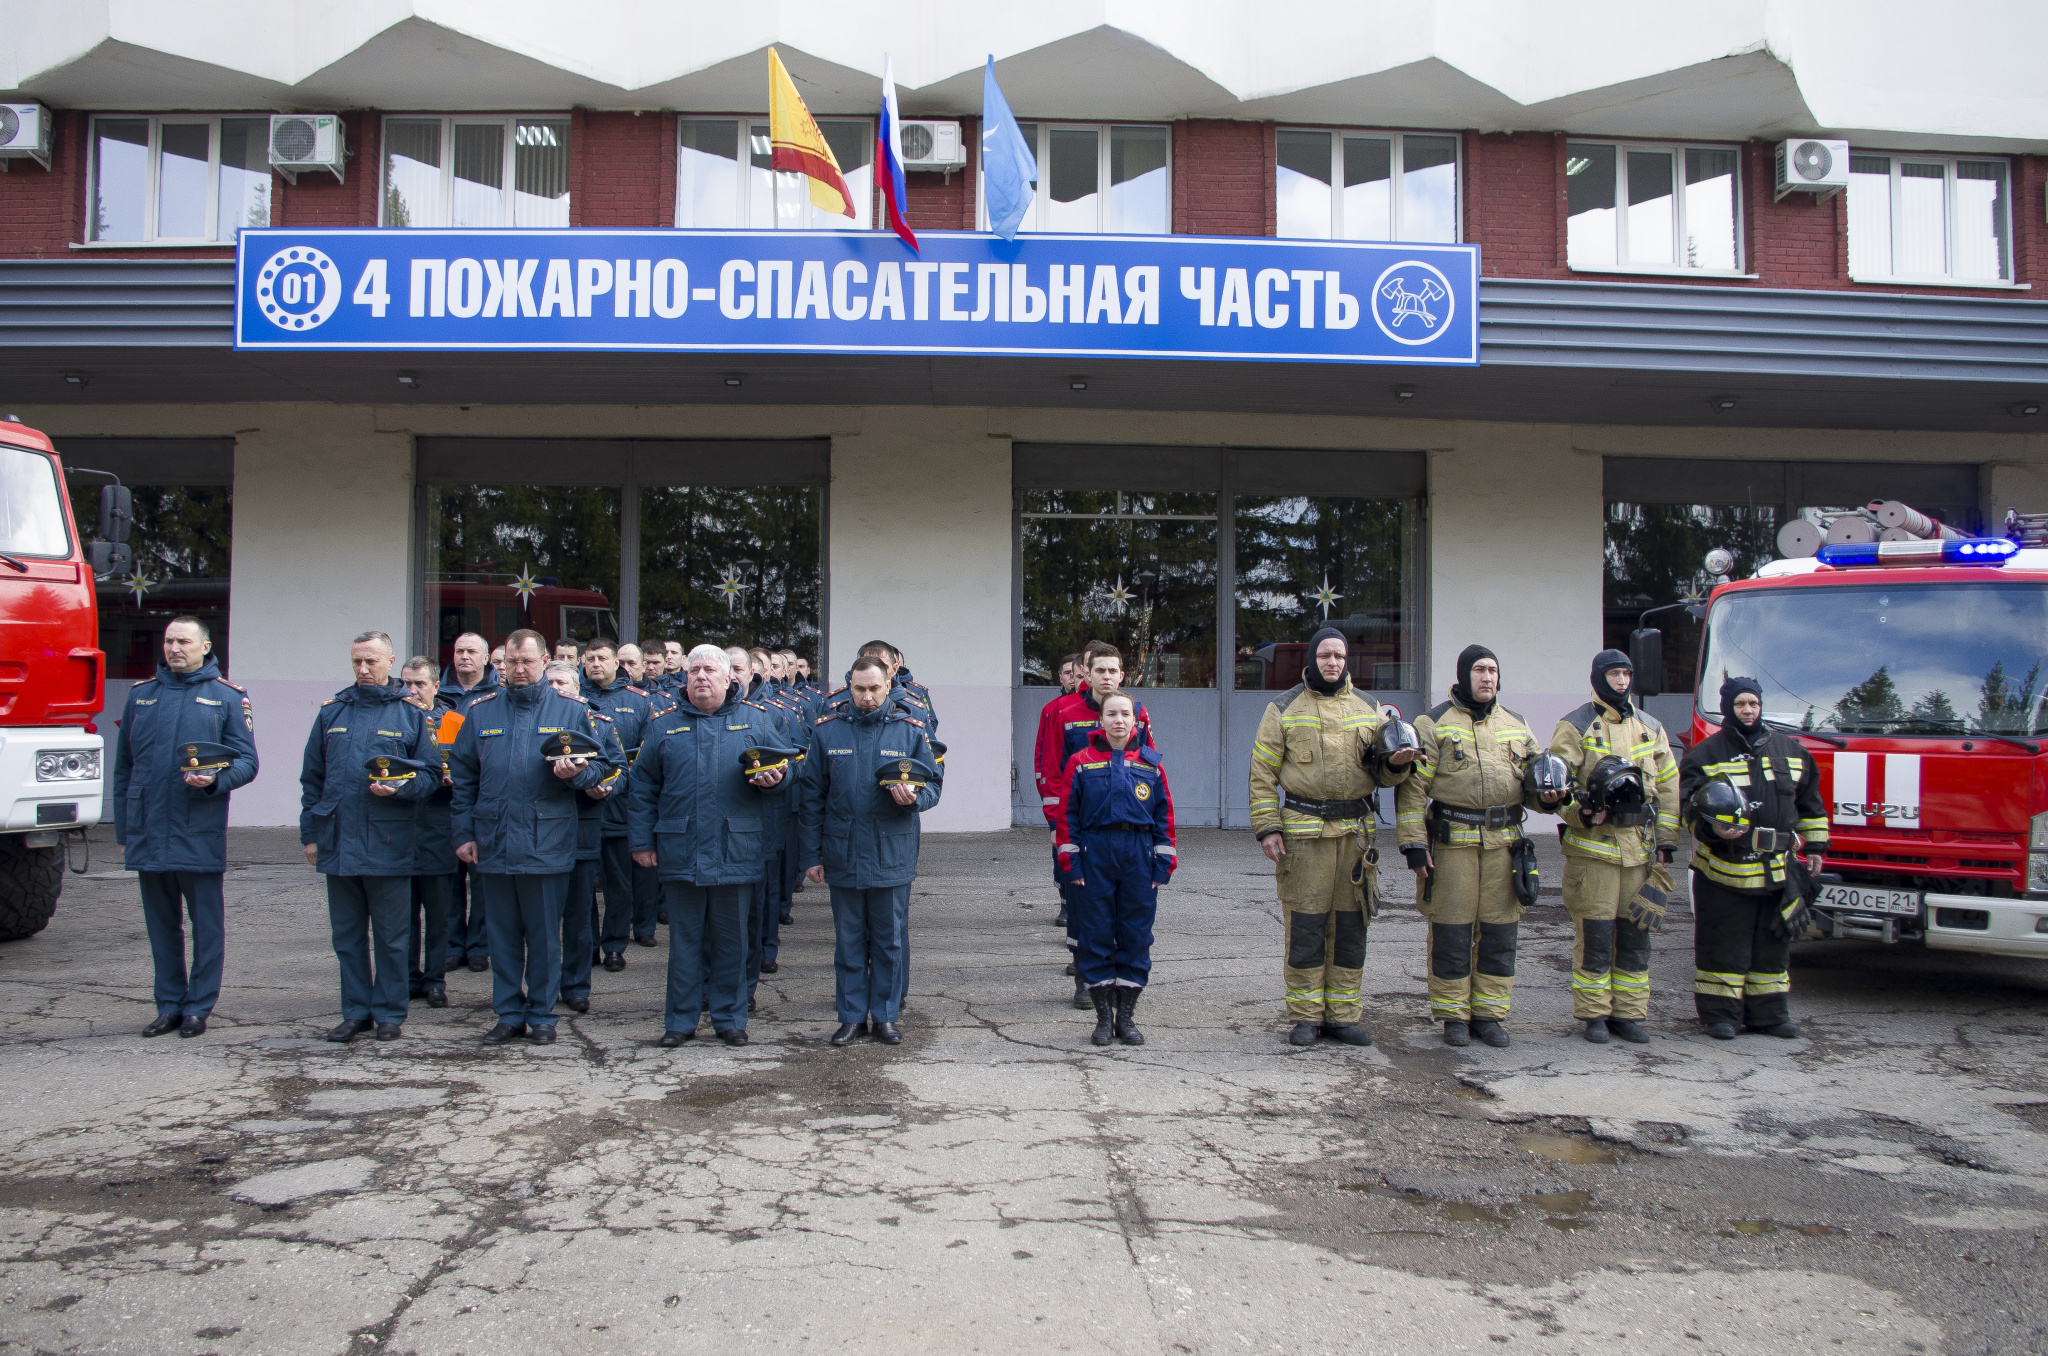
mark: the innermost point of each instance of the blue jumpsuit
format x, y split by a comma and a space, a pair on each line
1115, 825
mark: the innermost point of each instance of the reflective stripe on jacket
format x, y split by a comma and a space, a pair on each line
1473, 764
1316, 746
1595, 731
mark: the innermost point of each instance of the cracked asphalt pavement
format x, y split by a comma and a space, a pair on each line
995, 1183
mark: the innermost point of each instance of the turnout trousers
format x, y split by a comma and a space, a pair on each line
525, 917
1118, 901
1741, 957
870, 951
1610, 955
433, 900
168, 898
1325, 917
371, 918
707, 953
1474, 925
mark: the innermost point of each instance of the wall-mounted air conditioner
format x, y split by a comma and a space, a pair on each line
24, 134
306, 141
1807, 165
933, 146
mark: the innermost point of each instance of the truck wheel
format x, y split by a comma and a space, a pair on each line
30, 881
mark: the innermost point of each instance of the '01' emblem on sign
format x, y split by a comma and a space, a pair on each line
298, 288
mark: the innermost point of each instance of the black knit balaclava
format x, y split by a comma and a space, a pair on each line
1462, 689
1312, 674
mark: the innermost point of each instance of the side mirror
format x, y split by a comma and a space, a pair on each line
117, 513
109, 557
1646, 653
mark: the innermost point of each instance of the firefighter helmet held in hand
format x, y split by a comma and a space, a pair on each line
1547, 775
1396, 736
1616, 786
1718, 802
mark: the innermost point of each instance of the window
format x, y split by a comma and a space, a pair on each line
716, 189
1651, 209
1308, 561
1099, 179
30, 523
476, 172
1367, 186
742, 563
178, 179
545, 557
1922, 218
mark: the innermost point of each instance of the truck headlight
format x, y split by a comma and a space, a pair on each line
2037, 836
2037, 872
68, 765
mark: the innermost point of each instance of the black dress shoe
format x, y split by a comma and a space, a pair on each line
888, 1033
786, 919
541, 1035
167, 1022
614, 962
389, 1031
648, 940
502, 1032
770, 968
348, 1031
671, 1039
437, 997
845, 1034
736, 1036
479, 964
1304, 1033
196, 1026
661, 917
576, 1004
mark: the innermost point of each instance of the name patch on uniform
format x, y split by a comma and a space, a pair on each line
395, 734
481, 733
206, 701
894, 753
145, 701
337, 729
736, 727
548, 729
839, 751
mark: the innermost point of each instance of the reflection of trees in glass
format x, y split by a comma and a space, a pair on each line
1166, 624
2007, 710
1288, 547
1654, 554
1875, 699
765, 539
493, 533
181, 546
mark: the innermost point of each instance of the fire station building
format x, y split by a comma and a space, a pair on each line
1728, 265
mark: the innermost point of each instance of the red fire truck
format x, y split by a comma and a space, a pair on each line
52, 674
1915, 671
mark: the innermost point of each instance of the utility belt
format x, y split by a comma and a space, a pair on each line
1761, 845
1325, 809
1496, 817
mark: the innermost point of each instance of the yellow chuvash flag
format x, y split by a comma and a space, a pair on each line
798, 147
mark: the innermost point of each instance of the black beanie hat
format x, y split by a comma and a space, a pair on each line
1602, 662
1312, 673
1462, 689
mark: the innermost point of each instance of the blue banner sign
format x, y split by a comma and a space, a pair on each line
859, 292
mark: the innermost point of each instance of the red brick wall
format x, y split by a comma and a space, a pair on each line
619, 162
41, 211
1223, 177
941, 202
317, 200
1514, 203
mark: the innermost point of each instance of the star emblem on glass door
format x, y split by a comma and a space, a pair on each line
1326, 596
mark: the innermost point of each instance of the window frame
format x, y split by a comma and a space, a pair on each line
1397, 161
1676, 150
1041, 194
744, 162
508, 170
1949, 209
153, 178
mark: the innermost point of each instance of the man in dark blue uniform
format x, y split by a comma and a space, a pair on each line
174, 824
435, 871
696, 816
370, 759
472, 675
862, 840
579, 915
514, 819
630, 707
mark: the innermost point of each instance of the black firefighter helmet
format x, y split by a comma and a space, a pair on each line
1718, 802
1616, 786
1396, 736
1547, 775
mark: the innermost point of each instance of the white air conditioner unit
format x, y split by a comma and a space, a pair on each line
24, 134
933, 146
1807, 165
306, 141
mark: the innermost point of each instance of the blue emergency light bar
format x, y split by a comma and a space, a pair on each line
1897, 554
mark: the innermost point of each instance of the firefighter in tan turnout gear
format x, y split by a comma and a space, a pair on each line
1314, 769
1460, 827
1620, 833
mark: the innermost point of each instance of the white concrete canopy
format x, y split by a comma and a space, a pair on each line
1878, 71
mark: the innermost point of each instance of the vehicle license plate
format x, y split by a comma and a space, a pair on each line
1867, 899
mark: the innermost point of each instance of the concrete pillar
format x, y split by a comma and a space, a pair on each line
918, 554
1516, 563
322, 552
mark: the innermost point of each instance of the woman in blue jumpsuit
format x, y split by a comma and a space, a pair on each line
1114, 822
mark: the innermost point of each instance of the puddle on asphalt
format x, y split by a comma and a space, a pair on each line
1561, 1209
1757, 1228
1472, 1094
1566, 1148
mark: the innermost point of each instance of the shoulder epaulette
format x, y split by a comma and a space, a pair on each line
829, 715
636, 691
330, 701
906, 718
237, 687
599, 715
1437, 712
1582, 719
490, 696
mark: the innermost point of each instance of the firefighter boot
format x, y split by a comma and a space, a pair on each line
1127, 1003
1458, 1035
1081, 993
1105, 1015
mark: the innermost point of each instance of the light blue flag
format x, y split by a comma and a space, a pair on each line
1008, 166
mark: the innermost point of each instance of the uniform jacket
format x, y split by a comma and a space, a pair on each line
1065, 733
508, 800
459, 700
1781, 780
1316, 747
593, 811
692, 805
850, 825
433, 851
912, 697
904, 683
1595, 731
356, 833
164, 824
630, 709
1106, 788
1470, 762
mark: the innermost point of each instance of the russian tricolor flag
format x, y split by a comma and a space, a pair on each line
889, 158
